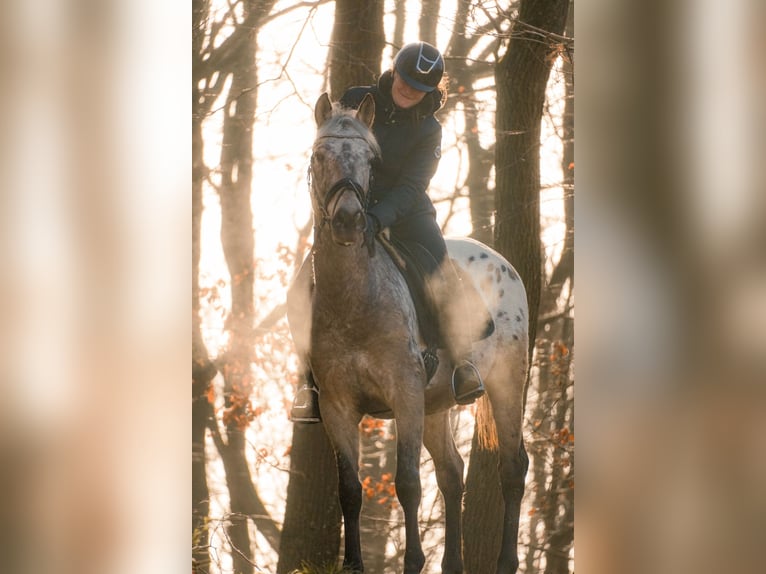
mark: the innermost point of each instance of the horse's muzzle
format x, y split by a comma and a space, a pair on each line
347, 226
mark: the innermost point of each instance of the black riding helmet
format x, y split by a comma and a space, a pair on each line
420, 65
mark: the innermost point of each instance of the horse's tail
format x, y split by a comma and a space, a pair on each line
485, 423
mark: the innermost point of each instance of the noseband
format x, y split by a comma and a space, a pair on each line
339, 187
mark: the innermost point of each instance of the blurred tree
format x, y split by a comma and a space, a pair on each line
521, 77
400, 19
356, 47
462, 74
552, 451
203, 370
237, 239
204, 92
429, 17
214, 62
311, 529
564, 270
378, 466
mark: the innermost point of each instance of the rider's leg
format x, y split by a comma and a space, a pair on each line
458, 323
460, 328
305, 407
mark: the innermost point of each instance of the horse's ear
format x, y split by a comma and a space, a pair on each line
366, 112
322, 109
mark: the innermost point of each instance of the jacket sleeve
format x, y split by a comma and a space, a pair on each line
352, 97
412, 182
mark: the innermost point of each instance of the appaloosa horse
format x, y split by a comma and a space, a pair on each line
359, 332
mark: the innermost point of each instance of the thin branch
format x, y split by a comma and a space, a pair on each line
233, 547
215, 432
566, 40
271, 319
282, 72
221, 57
312, 5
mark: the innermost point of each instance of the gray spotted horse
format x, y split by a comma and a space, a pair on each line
357, 329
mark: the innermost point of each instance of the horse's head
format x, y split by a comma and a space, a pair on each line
341, 165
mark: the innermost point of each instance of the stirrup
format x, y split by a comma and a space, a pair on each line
308, 410
471, 377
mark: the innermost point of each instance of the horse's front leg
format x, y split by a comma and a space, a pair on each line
343, 432
409, 441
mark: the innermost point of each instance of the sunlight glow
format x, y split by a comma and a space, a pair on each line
291, 61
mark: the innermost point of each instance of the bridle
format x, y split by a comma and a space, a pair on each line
337, 189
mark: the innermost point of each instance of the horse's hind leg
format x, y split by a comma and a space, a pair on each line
505, 388
437, 438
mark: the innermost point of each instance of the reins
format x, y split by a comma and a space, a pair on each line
338, 187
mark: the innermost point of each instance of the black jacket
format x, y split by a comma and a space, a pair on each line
410, 142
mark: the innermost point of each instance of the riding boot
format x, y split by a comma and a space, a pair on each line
305, 407
306, 403
459, 327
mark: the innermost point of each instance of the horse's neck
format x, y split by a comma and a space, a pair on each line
342, 275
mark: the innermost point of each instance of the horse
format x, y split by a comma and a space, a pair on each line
354, 323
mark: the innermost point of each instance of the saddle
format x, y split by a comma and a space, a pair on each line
415, 263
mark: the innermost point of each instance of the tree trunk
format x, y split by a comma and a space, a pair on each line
480, 160
237, 238
357, 44
238, 248
311, 530
558, 506
378, 458
564, 269
203, 370
521, 77
558, 511
429, 17
483, 516
400, 18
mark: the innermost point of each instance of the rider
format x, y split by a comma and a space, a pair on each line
406, 98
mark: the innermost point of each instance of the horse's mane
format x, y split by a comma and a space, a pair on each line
343, 123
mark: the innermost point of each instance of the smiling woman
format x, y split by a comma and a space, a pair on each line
404, 95
418, 69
